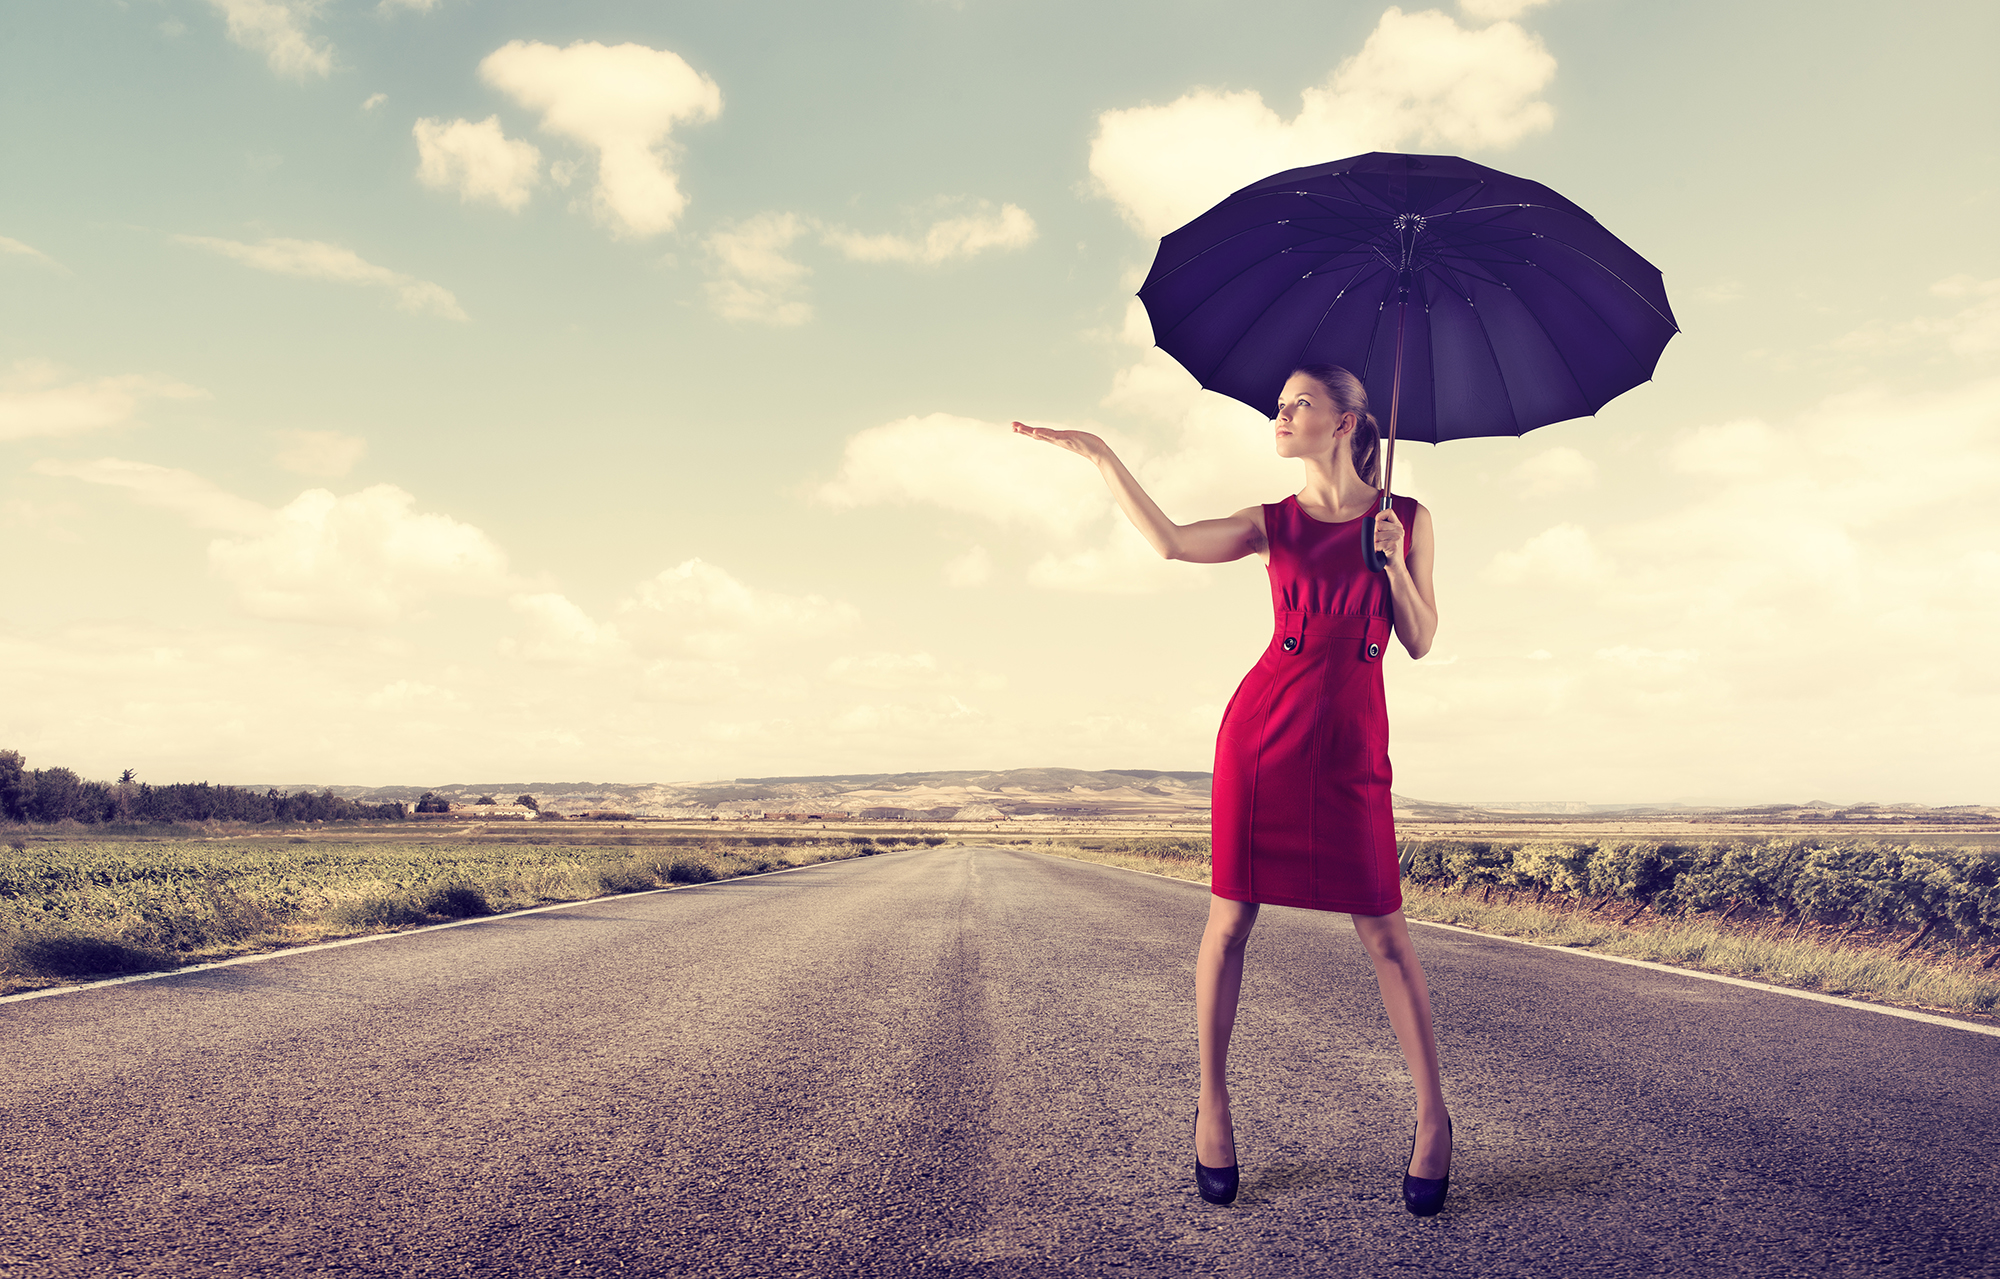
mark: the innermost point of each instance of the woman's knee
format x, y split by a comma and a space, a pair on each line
1230, 922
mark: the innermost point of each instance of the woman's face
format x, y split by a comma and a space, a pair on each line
1307, 423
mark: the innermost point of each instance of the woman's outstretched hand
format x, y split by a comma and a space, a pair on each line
1080, 442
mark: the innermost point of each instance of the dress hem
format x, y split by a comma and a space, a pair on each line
1301, 904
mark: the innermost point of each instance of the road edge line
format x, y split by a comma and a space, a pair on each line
260, 956
1887, 1010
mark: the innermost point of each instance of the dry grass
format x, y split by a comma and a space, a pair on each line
91, 909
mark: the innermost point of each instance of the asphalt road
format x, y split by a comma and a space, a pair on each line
966, 1061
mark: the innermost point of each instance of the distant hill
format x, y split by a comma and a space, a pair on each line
1028, 794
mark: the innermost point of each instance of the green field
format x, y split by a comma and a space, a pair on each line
79, 908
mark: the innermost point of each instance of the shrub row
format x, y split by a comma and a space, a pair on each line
1946, 891
1952, 890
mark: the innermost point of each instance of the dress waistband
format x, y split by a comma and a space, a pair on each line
1296, 621
1299, 632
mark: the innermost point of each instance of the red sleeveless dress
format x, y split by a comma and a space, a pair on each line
1300, 814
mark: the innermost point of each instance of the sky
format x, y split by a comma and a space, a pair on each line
435, 390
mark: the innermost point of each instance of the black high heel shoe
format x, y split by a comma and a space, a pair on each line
1423, 1196
1217, 1185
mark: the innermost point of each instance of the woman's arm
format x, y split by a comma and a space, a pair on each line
1410, 582
1203, 542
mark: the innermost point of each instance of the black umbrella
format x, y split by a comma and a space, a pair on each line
1470, 301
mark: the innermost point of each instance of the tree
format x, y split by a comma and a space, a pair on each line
12, 802
53, 794
485, 799
432, 802
528, 802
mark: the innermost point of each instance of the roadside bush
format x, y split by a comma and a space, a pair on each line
72, 955
628, 878
692, 870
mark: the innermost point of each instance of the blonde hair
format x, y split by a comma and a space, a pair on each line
1349, 396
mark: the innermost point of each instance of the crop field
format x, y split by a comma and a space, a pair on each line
74, 908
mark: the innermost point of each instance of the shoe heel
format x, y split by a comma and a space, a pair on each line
1217, 1185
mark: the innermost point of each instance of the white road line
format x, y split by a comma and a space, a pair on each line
410, 932
1884, 1009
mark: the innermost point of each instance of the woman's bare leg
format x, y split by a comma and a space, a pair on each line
1218, 979
1408, 1001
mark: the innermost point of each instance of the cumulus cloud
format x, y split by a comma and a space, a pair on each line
373, 100
968, 467
200, 502
324, 454
1555, 470
973, 568
1497, 10
316, 260
948, 239
559, 631
1565, 555
623, 102
14, 248
478, 161
277, 29
363, 559
36, 400
417, 6
1972, 332
699, 609
884, 670
1420, 78
754, 278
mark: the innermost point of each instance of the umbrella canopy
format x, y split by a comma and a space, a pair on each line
1517, 308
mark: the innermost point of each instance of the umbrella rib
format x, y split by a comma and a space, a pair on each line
1329, 310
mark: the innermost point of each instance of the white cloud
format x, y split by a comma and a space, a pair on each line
974, 568
417, 6
15, 248
277, 29
622, 101
34, 400
1971, 332
359, 560
316, 260
1497, 10
1555, 470
1420, 78
754, 279
478, 161
885, 670
971, 468
700, 610
373, 100
198, 501
1564, 555
1739, 448
325, 454
559, 631
947, 239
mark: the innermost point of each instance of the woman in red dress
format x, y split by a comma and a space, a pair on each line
1301, 810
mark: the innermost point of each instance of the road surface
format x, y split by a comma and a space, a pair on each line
965, 1061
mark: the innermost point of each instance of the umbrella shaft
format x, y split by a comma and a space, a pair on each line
1395, 402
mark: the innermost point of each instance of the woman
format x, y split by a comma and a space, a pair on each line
1301, 811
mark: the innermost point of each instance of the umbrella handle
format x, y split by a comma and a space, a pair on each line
1378, 559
